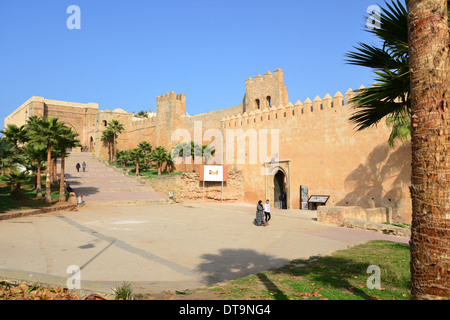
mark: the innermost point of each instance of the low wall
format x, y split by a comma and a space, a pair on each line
187, 187
337, 215
363, 218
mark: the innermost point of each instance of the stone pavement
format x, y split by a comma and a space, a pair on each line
104, 185
163, 246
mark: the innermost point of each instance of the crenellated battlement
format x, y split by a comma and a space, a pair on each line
289, 110
171, 96
277, 75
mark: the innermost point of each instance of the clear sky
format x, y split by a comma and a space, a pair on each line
129, 52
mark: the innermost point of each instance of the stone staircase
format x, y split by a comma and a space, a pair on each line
101, 185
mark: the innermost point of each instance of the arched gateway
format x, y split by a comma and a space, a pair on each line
278, 184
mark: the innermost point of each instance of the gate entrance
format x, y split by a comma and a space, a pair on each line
279, 182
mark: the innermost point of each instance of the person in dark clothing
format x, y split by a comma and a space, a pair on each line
259, 220
78, 167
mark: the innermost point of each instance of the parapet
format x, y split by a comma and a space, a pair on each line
277, 74
289, 110
170, 96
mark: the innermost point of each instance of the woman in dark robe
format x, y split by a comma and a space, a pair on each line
259, 221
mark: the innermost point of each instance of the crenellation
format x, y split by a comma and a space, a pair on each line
349, 95
327, 102
308, 106
317, 104
290, 109
268, 75
338, 100
259, 78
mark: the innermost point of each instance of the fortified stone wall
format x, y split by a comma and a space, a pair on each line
79, 116
321, 150
318, 147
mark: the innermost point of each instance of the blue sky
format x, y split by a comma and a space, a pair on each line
129, 52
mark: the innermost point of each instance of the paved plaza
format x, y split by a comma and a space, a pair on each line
128, 232
163, 246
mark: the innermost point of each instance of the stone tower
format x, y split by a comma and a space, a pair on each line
170, 107
264, 92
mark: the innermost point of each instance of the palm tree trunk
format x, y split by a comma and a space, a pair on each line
62, 187
114, 148
159, 169
430, 139
48, 191
137, 168
54, 171
38, 181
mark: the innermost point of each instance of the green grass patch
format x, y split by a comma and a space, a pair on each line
28, 200
401, 225
340, 276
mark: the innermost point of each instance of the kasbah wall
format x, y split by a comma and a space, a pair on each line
318, 147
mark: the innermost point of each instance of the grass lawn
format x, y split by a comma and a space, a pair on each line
144, 171
340, 276
28, 199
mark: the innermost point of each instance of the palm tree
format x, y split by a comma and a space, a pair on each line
123, 157
389, 96
7, 151
159, 156
15, 180
183, 150
146, 148
116, 127
68, 140
207, 152
401, 128
196, 150
108, 138
136, 155
37, 153
15, 134
46, 131
429, 54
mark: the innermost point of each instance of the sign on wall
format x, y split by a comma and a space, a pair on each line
213, 173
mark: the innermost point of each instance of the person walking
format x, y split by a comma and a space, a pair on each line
78, 167
259, 220
84, 166
267, 211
